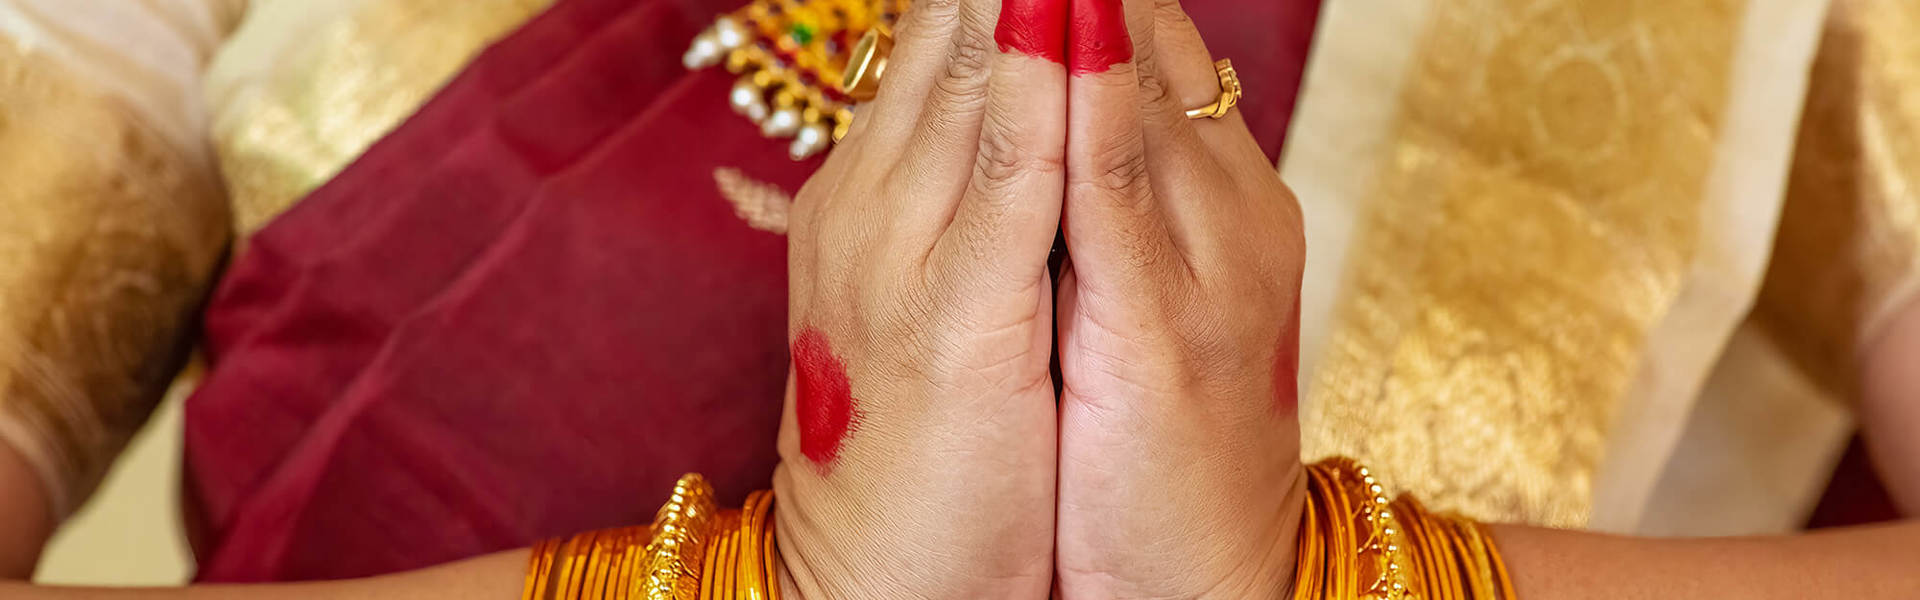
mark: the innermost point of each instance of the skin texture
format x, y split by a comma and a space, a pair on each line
823, 399
1859, 562
1178, 476
918, 253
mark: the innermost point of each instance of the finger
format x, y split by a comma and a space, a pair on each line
931, 175
922, 38
1174, 67
1184, 65
1011, 209
1115, 231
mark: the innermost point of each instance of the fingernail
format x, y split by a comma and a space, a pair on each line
1036, 28
1097, 37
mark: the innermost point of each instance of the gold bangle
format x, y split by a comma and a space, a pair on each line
680, 535
1354, 543
744, 564
692, 551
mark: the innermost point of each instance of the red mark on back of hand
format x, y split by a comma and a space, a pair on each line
823, 399
1036, 28
1286, 365
1097, 37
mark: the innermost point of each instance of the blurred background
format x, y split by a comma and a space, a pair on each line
334, 288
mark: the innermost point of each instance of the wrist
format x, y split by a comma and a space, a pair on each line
1270, 571
783, 577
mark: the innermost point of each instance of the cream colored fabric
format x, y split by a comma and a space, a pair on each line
130, 533
1776, 414
304, 86
114, 214
1532, 229
112, 218
1757, 450
146, 54
113, 222
1854, 195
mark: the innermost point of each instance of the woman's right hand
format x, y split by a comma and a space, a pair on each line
918, 441
1180, 470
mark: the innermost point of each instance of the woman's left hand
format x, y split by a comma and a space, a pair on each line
1178, 326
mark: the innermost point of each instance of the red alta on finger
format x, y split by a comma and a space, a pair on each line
823, 399
1097, 37
1036, 28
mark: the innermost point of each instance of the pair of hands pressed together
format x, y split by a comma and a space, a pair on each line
925, 453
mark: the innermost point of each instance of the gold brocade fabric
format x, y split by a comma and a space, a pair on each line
334, 93
108, 240
1535, 218
1849, 235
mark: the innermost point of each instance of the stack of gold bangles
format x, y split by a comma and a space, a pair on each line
1354, 544
693, 551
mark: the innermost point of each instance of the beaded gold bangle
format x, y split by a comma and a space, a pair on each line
692, 551
1354, 543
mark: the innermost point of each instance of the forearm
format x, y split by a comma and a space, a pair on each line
25, 522
501, 575
25, 526
1863, 562
1890, 408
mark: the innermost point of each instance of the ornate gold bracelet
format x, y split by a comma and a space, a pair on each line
692, 551
1354, 543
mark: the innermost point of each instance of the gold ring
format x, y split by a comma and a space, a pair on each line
861, 80
1230, 93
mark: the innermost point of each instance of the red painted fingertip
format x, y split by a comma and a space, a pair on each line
1286, 366
823, 399
1097, 37
1036, 28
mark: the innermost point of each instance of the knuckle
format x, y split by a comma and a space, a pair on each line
1155, 94
1170, 13
967, 60
961, 92
1119, 166
975, 37
1009, 155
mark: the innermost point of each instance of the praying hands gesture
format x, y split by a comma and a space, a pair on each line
925, 452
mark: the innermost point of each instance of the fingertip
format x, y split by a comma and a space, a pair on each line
1097, 37
1036, 28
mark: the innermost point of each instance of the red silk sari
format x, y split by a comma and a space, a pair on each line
527, 310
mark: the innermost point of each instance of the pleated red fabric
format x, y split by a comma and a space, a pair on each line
527, 310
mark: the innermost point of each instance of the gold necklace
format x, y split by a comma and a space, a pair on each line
790, 56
